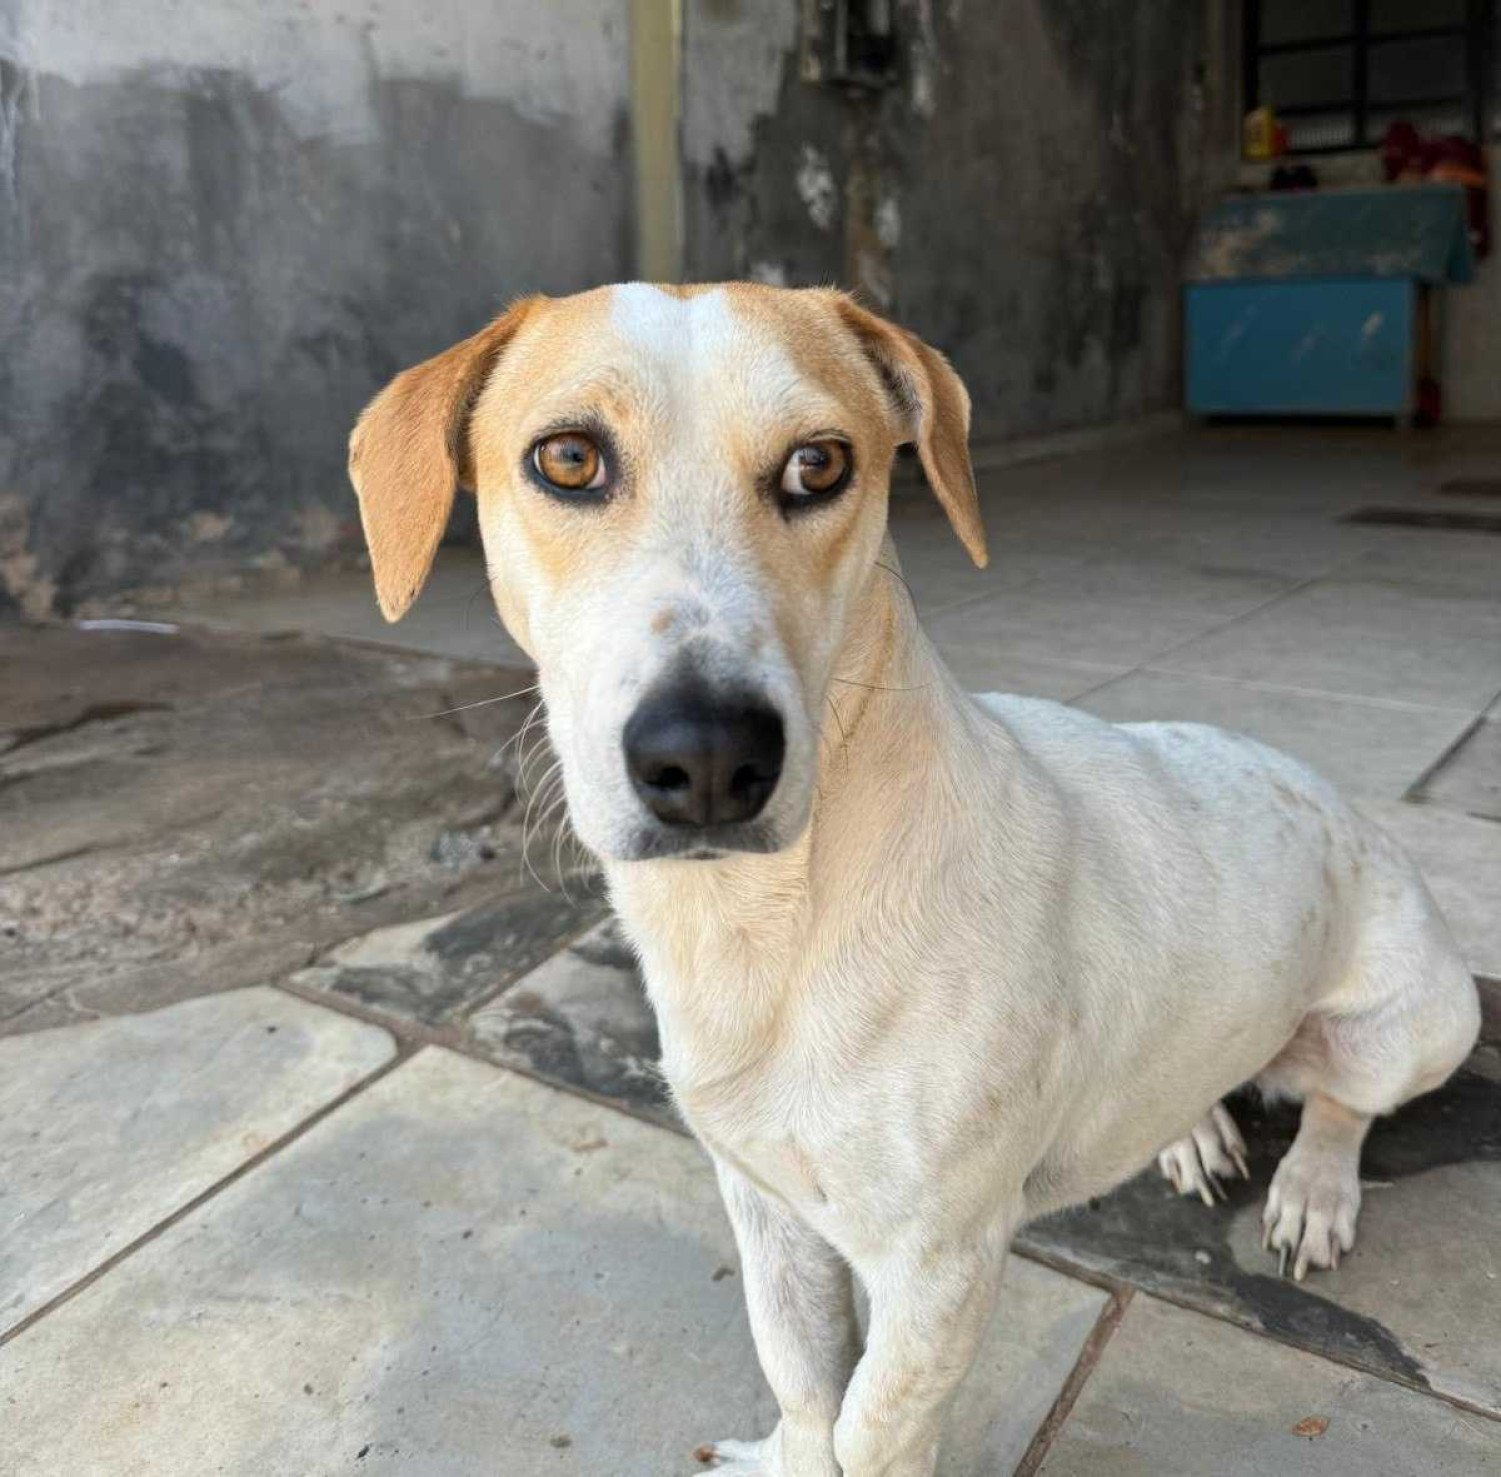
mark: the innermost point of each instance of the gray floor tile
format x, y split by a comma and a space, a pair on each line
459, 1272
1460, 858
982, 669
1361, 746
1057, 627
1365, 639
1226, 588
453, 616
1470, 777
1180, 1395
1456, 563
110, 1126
938, 573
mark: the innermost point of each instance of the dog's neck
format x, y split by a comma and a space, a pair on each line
728, 946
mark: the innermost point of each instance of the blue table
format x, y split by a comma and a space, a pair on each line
1321, 303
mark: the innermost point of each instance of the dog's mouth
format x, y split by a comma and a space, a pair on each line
694, 844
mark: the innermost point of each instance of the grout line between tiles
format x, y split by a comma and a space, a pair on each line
1235, 620
1412, 794
1084, 1366
1079, 697
1118, 1281
455, 1038
402, 1054
489, 997
1395, 704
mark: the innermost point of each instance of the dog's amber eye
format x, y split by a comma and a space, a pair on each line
569, 462
816, 469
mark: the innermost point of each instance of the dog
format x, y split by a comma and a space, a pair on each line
925, 965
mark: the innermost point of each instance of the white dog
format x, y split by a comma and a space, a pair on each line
925, 966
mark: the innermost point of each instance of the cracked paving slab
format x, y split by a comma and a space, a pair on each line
582, 1019
108, 1127
458, 1272
437, 970
183, 812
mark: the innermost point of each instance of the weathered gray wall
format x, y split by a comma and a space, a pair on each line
1022, 195
222, 225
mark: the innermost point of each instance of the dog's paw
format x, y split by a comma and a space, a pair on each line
1311, 1208
740, 1458
1213, 1151
787, 1452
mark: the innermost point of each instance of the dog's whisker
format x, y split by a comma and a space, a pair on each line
897, 575
881, 686
844, 738
484, 702
525, 757
520, 734
526, 855
562, 833
541, 802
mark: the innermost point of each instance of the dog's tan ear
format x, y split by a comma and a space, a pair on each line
935, 405
409, 452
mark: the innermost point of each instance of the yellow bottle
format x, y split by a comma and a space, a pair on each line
1259, 134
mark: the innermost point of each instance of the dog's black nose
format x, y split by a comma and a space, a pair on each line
699, 760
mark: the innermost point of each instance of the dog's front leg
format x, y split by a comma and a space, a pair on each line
930, 1304
800, 1299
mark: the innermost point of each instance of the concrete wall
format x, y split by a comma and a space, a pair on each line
1022, 195
222, 225
1472, 331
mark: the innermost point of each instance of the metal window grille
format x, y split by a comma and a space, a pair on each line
1339, 72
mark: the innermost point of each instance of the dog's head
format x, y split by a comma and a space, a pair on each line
682, 494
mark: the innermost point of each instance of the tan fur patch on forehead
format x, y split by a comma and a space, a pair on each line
575, 335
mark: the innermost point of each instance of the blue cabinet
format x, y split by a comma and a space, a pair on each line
1322, 303
1337, 347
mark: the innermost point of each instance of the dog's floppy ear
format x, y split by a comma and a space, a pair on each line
408, 453
935, 405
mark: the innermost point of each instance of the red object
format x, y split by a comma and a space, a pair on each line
1407, 154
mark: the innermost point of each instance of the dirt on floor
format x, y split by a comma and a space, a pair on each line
183, 812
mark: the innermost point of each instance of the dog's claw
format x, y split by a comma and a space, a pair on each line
1311, 1209
1199, 1163
737, 1458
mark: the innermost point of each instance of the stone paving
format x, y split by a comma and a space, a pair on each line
281, 1192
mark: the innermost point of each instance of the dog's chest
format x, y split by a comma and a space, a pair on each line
829, 1140
838, 1193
